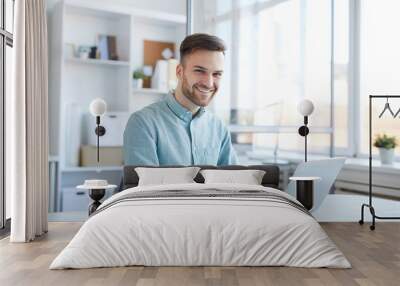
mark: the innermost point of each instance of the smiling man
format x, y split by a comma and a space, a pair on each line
180, 130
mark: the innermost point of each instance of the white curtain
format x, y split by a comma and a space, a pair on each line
27, 122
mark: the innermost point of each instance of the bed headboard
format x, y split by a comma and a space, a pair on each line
270, 179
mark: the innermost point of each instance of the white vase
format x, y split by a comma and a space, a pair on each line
386, 155
138, 83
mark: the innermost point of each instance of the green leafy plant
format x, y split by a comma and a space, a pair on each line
385, 141
137, 74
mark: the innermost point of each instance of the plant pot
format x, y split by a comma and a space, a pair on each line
386, 155
138, 83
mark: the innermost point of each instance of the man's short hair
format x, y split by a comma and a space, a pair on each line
200, 41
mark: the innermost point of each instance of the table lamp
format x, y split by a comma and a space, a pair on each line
305, 108
97, 108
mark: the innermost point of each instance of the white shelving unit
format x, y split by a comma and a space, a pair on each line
98, 62
144, 96
75, 82
149, 91
92, 169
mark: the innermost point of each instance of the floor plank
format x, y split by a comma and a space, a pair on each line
374, 255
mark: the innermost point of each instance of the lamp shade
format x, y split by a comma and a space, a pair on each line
305, 107
98, 107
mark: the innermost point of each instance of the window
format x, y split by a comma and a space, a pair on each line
278, 53
6, 43
343, 134
335, 52
379, 66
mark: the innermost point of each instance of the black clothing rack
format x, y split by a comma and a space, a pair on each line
369, 205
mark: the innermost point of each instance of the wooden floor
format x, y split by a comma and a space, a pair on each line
374, 255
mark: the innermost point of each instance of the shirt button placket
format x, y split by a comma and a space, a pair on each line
194, 151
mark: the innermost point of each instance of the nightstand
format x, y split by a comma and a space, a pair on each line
97, 190
305, 190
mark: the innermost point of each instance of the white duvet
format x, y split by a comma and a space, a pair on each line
200, 231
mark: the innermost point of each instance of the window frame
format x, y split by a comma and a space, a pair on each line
6, 39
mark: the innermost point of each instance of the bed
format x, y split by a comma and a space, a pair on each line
201, 224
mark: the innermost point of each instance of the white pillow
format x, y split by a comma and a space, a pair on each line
165, 176
248, 177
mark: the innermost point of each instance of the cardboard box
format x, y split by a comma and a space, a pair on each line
109, 156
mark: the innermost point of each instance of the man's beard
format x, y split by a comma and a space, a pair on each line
189, 93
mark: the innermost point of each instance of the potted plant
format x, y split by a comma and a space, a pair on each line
138, 77
386, 145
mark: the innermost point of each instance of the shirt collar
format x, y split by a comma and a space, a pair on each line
181, 111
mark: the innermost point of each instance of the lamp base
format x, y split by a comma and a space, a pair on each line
305, 193
96, 195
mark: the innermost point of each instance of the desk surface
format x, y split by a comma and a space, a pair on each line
304, 178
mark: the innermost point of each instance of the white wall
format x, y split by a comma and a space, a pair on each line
170, 6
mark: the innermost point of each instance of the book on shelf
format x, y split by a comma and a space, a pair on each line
112, 48
108, 47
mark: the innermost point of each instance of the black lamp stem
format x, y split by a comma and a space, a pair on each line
303, 131
98, 155
305, 148
305, 139
98, 138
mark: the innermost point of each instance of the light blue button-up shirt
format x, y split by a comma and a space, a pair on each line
166, 133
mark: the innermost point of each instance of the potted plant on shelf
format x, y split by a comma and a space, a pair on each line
138, 77
386, 145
